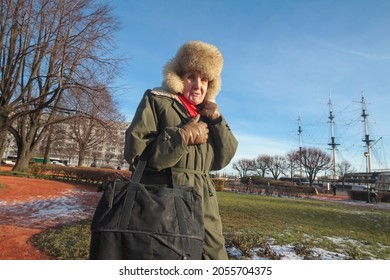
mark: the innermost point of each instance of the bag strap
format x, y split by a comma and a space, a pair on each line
141, 165
139, 170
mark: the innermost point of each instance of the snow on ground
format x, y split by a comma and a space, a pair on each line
286, 252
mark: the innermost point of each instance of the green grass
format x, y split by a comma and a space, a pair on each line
67, 242
362, 232
253, 220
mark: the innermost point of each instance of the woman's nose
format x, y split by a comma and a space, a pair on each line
197, 83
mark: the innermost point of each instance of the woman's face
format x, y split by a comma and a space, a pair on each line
195, 87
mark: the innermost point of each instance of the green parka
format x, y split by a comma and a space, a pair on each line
156, 123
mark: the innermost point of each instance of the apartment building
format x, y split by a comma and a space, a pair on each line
107, 150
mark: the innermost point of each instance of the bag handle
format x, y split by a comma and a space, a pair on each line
140, 168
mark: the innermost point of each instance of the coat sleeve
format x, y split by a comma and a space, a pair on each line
166, 143
224, 144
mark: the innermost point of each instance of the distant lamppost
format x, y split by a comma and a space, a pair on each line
367, 154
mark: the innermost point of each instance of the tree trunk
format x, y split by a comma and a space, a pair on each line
46, 159
27, 140
3, 129
81, 157
24, 157
2, 144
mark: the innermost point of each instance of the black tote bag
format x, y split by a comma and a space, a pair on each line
147, 222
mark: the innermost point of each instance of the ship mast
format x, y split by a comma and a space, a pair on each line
366, 139
300, 143
332, 137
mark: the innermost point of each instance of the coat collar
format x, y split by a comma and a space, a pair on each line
177, 106
163, 92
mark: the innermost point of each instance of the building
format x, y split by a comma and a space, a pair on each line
380, 180
102, 151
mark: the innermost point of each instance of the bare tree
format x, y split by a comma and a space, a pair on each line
97, 124
262, 163
47, 48
244, 166
313, 161
276, 166
292, 163
342, 169
57, 143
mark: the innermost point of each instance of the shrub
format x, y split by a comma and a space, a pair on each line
384, 196
218, 183
88, 175
256, 180
37, 169
362, 195
357, 195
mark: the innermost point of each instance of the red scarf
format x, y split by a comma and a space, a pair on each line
191, 108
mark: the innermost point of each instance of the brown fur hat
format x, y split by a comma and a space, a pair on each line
194, 56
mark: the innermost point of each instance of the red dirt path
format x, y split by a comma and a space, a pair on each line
17, 225
21, 198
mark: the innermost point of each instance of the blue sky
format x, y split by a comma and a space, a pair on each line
282, 59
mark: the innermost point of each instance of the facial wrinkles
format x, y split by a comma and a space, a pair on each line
195, 87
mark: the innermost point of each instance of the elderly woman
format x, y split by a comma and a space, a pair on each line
183, 128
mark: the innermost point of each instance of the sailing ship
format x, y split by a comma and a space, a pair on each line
380, 179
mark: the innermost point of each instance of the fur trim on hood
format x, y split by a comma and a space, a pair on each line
194, 56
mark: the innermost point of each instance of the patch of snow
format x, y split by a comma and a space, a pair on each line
327, 255
287, 252
234, 252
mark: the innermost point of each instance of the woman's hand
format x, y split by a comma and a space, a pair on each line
195, 132
209, 110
